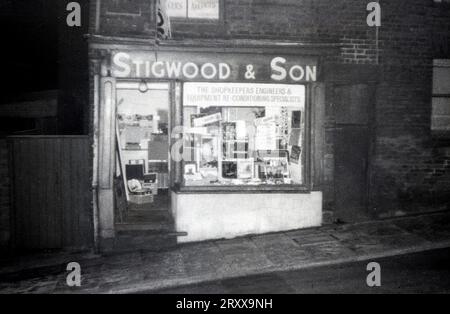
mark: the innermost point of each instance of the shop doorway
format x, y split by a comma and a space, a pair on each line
351, 152
142, 199
351, 159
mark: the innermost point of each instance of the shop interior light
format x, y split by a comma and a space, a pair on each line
143, 86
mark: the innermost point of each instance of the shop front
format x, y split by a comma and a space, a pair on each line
228, 141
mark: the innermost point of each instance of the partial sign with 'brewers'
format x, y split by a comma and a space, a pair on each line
226, 67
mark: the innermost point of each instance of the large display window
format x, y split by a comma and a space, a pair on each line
243, 134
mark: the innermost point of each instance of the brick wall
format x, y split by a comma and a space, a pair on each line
300, 20
305, 20
410, 167
4, 195
126, 18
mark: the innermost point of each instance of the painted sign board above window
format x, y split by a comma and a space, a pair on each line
193, 9
243, 95
225, 67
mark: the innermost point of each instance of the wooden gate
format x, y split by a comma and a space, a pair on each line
51, 192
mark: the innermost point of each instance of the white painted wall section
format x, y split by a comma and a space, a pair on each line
216, 216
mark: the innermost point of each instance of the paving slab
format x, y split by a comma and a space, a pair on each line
431, 227
282, 250
202, 259
164, 265
310, 236
241, 255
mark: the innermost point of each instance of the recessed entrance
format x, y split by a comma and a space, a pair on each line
351, 150
142, 199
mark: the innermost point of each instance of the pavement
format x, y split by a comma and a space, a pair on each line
424, 272
147, 270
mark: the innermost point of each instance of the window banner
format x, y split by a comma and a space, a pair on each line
163, 28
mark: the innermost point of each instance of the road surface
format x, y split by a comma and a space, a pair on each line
426, 272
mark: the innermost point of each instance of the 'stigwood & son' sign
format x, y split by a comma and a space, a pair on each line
214, 67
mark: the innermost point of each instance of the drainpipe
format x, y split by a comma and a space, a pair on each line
98, 5
377, 42
95, 161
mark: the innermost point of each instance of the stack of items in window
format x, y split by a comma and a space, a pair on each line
243, 146
135, 130
144, 139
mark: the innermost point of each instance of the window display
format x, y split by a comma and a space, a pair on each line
235, 143
142, 124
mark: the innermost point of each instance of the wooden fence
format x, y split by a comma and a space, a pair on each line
51, 192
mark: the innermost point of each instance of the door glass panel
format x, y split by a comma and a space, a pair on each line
143, 139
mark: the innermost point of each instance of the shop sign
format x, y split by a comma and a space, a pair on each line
243, 95
224, 67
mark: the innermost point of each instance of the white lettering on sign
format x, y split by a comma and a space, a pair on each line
124, 67
243, 95
120, 60
280, 72
296, 72
224, 71
278, 69
209, 67
158, 69
192, 73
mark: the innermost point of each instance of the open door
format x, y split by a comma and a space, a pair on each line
143, 113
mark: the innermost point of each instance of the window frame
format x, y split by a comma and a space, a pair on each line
439, 63
187, 20
306, 187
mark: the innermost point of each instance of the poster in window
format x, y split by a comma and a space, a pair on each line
266, 137
245, 168
294, 138
229, 170
296, 119
295, 154
208, 151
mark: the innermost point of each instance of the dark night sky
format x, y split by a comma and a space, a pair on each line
29, 54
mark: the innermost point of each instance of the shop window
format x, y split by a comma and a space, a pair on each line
440, 119
194, 9
243, 134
